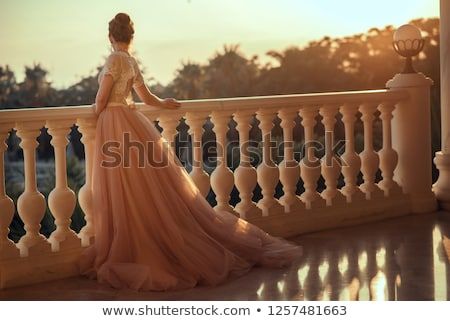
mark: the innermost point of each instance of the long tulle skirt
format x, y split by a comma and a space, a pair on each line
154, 231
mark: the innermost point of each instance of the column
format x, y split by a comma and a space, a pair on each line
388, 156
351, 163
195, 122
442, 160
268, 175
222, 179
411, 139
331, 167
61, 199
7, 247
245, 176
169, 123
289, 167
310, 164
369, 158
86, 126
31, 204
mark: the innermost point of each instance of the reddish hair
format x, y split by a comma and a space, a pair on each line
121, 28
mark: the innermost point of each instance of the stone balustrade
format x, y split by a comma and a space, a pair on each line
35, 258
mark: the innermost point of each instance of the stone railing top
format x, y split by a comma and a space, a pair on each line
11, 116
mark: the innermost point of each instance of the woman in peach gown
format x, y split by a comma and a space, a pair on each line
153, 229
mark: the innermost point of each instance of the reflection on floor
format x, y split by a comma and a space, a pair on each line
399, 259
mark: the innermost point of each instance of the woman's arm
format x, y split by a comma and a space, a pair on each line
103, 93
151, 99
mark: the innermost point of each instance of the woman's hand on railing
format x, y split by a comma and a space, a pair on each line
170, 103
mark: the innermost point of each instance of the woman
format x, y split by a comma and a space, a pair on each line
153, 228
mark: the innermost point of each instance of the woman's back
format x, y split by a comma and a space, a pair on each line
125, 73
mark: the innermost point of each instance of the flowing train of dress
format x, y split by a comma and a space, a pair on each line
155, 231
153, 228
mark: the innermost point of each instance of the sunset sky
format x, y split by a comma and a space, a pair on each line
69, 38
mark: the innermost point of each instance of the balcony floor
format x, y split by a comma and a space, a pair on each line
405, 258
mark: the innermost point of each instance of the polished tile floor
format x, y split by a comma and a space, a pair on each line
406, 258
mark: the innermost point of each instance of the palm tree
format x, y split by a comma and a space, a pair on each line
230, 74
188, 81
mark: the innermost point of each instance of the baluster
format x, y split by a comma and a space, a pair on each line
169, 123
267, 171
369, 158
289, 167
61, 200
31, 204
7, 247
388, 156
195, 122
86, 127
310, 165
222, 180
331, 167
245, 175
351, 163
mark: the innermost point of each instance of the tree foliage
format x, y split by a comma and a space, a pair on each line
362, 61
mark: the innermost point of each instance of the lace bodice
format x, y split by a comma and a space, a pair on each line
126, 75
